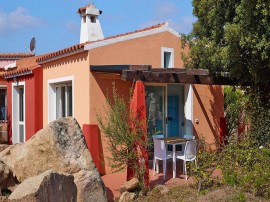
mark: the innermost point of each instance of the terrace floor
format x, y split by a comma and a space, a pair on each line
115, 180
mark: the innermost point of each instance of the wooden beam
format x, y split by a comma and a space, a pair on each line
198, 72
118, 68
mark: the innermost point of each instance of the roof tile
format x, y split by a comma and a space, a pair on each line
15, 55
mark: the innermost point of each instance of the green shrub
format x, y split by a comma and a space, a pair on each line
125, 142
245, 165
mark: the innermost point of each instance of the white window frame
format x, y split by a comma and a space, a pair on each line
15, 112
188, 109
52, 83
169, 50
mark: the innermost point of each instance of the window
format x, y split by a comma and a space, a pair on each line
63, 100
167, 57
60, 98
3, 104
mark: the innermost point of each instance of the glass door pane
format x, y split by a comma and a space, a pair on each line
69, 100
155, 110
175, 110
21, 107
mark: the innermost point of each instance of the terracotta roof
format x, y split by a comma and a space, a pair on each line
60, 52
136, 31
82, 9
81, 46
17, 71
22, 66
15, 55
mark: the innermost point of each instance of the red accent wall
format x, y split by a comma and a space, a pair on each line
93, 140
9, 111
33, 103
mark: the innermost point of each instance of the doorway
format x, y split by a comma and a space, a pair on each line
165, 109
18, 113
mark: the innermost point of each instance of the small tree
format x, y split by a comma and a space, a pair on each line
124, 133
234, 102
233, 36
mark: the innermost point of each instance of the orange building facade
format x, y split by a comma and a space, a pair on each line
70, 88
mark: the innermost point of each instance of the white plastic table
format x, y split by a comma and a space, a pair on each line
175, 141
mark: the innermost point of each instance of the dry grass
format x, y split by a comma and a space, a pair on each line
186, 193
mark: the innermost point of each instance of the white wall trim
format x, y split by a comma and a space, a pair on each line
164, 28
188, 109
52, 95
166, 49
15, 112
10, 66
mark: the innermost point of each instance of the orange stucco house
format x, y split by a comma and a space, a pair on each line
77, 79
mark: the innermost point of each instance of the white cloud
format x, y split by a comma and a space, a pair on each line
19, 19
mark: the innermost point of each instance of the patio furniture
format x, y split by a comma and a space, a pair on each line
189, 136
160, 153
190, 154
175, 141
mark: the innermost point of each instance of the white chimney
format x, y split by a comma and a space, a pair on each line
90, 26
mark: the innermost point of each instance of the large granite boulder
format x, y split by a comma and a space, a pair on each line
7, 179
60, 146
48, 186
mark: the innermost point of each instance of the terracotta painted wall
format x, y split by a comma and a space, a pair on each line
208, 108
9, 111
145, 50
77, 66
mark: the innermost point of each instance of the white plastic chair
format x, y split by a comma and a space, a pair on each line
160, 153
189, 136
190, 154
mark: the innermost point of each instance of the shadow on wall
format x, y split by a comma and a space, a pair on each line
216, 112
102, 88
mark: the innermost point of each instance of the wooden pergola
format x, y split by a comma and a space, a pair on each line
146, 73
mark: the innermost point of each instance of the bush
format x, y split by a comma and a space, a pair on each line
124, 142
245, 165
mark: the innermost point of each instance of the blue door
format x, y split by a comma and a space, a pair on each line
173, 123
175, 110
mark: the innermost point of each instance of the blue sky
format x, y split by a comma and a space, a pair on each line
56, 25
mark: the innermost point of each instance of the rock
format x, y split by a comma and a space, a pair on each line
90, 186
3, 199
3, 147
6, 177
48, 186
127, 196
130, 185
60, 146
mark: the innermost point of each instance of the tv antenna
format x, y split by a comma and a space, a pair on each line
33, 44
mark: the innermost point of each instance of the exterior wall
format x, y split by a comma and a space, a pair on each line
141, 51
77, 66
33, 103
208, 108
